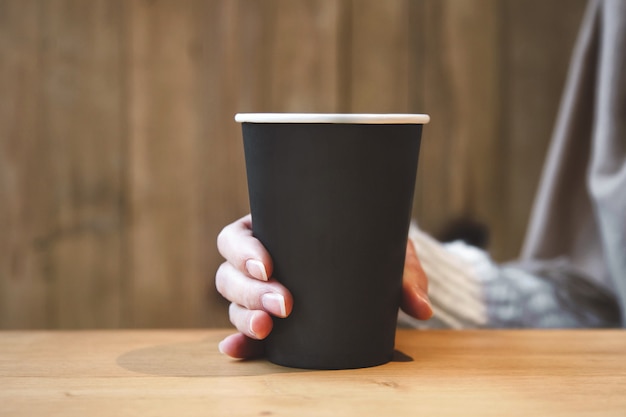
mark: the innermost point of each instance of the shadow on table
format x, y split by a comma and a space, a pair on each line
198, 359
194, 359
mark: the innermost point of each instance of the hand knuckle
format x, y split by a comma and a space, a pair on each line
221, 239
220, 279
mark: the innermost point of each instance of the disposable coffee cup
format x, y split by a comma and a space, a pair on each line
331, 198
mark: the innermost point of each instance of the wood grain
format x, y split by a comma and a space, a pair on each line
24, 169
379, 57
448, 373
302, 74
461, 80
169, 283
83, 124
68, 167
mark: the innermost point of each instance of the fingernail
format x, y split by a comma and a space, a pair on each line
426, 300
275, 304
256, 269
251, 326
220, 347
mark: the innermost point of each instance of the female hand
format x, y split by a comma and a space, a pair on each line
245, 279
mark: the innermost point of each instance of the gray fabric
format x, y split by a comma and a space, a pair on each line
551, 296
579, 217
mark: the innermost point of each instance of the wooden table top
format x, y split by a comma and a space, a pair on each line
180, 372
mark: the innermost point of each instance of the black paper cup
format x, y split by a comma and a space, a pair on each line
331, 198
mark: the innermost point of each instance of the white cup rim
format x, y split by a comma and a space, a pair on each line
343, 118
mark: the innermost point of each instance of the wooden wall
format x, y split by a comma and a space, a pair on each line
120, 160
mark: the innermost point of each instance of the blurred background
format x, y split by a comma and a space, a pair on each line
120, 161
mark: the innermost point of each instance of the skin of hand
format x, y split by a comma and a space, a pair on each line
245, 279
